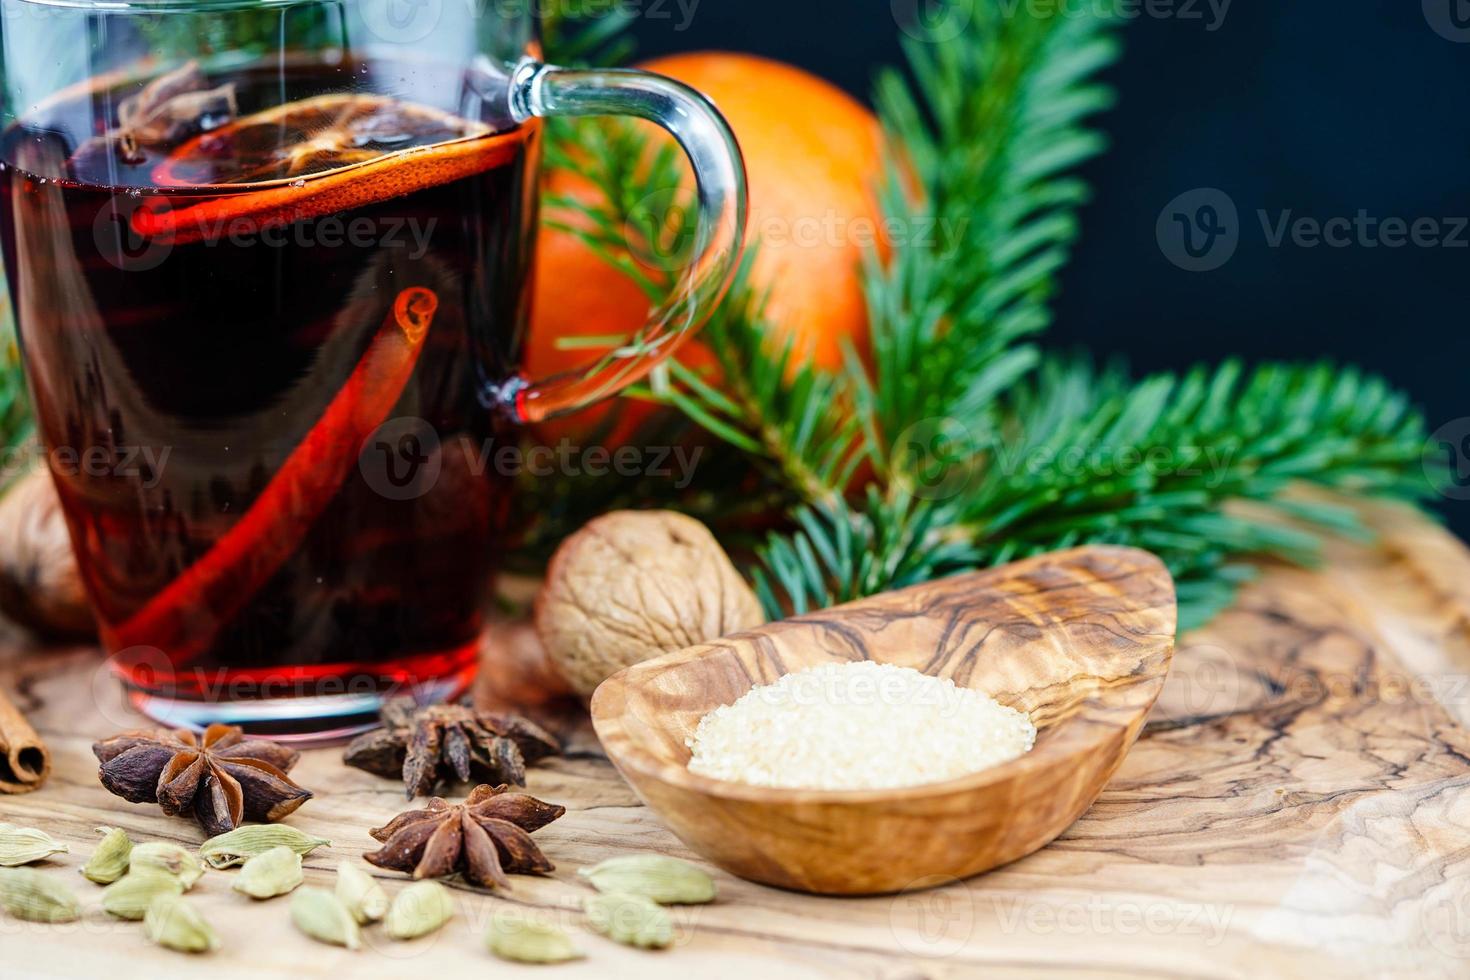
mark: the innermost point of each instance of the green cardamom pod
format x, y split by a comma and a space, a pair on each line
360, 893
241, 843
174, 924
162, 855
109, 861
23, 845
28, 894
665, 880
130, 896
269, 873
317, 913
629, 919
514, 937
418, 910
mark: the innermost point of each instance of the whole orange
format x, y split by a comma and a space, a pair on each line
813, 158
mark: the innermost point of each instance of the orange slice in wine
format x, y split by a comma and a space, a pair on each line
314, 157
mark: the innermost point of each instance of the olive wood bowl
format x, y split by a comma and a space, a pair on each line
1081, 639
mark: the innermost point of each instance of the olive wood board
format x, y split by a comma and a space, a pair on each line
1297, 805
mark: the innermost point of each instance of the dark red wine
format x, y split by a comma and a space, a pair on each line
259, 321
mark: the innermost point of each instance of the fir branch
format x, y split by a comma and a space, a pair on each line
1086, 456
576, 33
837, 553
790, 417
990, 125
979, 456
786, 416
1155, 464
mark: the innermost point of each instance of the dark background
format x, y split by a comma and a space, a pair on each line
1320, 107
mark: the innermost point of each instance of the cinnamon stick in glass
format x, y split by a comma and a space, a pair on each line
24, 760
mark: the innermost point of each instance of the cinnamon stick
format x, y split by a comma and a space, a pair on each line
183, 617
24, 761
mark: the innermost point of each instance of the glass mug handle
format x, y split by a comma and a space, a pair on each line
539, 90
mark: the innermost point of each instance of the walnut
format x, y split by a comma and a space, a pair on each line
632, 585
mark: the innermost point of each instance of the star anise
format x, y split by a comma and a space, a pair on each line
221, 777
484, 838
427, 746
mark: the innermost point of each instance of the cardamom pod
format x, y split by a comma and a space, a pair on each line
28, 894
269, 873
629, 919
317, 913
418, 910
174, 924
360, 893
665, 880
109, 861
162, 855
514, 937
130, 896
241, 843
23, 845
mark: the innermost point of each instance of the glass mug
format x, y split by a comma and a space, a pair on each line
270, 261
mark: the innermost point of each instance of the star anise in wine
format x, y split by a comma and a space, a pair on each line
484, 838
220, 777
442, 742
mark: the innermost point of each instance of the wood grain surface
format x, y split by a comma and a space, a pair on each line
1080, 640
1298, 805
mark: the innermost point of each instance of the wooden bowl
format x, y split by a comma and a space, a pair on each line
1080, 639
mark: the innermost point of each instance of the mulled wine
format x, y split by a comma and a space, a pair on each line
261, 312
